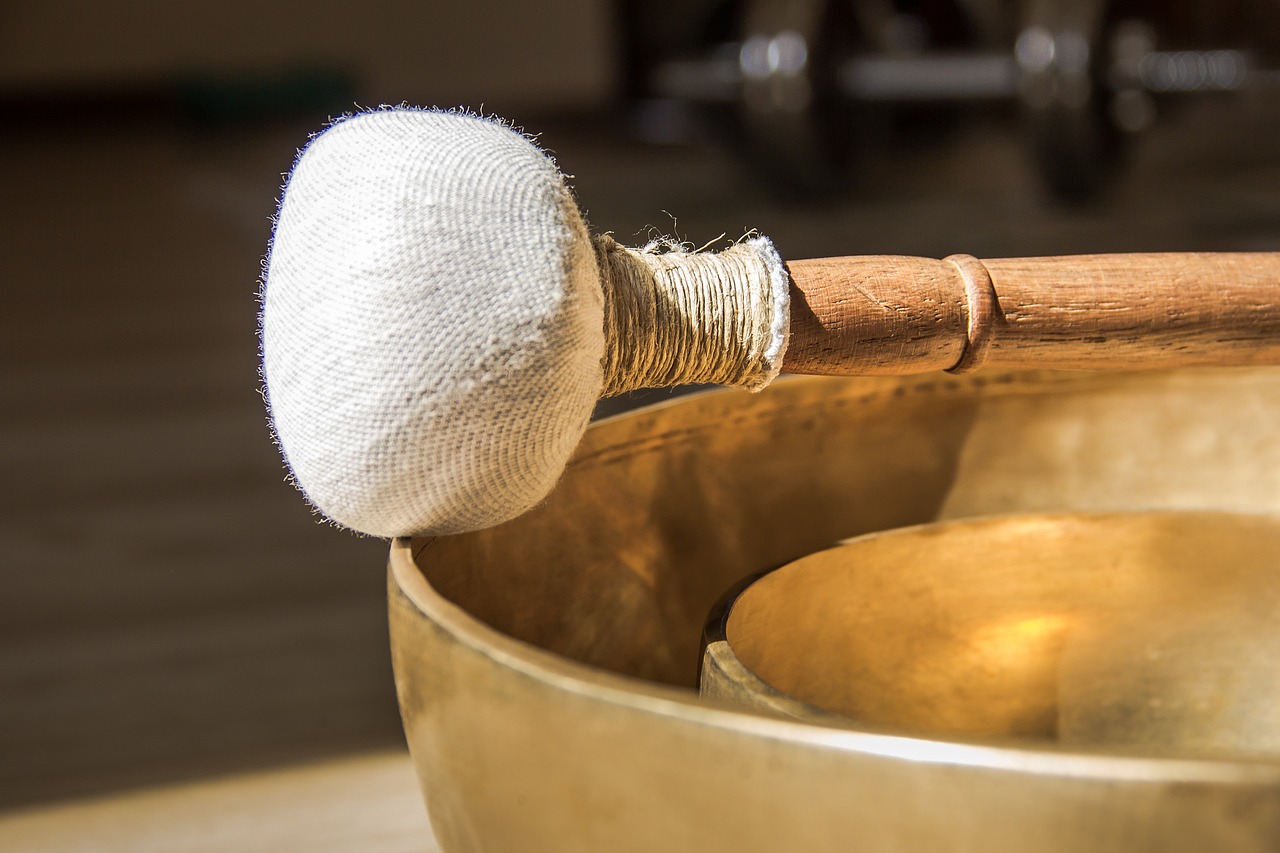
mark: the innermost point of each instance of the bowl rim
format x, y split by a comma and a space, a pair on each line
561, 673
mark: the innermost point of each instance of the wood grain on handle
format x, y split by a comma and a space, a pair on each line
895, 315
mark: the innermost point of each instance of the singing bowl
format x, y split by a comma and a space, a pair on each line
547, 669
1155, 633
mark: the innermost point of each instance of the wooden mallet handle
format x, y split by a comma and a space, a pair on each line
897, 315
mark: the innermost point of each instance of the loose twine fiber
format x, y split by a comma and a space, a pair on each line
673, 317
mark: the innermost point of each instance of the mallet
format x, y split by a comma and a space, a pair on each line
438, 324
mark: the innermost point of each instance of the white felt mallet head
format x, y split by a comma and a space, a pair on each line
438, 324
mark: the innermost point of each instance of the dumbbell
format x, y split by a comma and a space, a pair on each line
807, 73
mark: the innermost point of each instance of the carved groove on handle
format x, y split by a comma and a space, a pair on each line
982, 307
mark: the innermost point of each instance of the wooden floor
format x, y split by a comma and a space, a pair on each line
367, 803
169, 610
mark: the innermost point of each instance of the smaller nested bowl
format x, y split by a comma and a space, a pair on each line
1152, 633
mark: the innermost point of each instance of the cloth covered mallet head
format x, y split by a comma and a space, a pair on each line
434, 322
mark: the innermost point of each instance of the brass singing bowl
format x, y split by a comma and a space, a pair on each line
547, 668
1155, 633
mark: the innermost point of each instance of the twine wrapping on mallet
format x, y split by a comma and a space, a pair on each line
673, 317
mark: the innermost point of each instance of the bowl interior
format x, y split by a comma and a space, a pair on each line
1151, 631
664, 509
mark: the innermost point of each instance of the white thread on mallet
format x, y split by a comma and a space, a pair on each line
674, 317
433, 322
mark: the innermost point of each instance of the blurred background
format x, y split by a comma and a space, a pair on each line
169, 609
